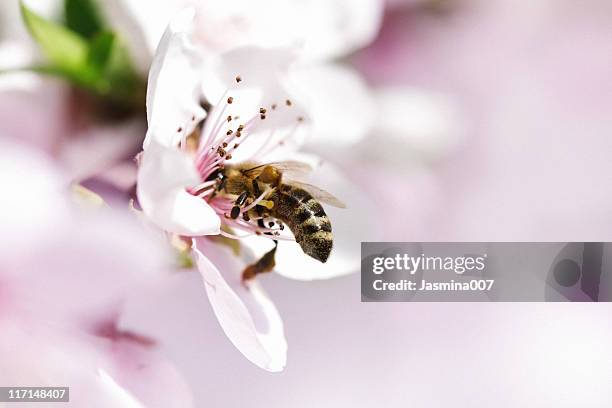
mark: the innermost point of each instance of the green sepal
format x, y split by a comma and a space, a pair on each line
61, 46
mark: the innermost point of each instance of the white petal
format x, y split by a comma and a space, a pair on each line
340, 105
99, 372
115, 393
144, 375
141, 24
428, 123
32, 107
163, 177
173, 91
31, 204
248, 318
324, 29
93, 260
342, 26
111, 144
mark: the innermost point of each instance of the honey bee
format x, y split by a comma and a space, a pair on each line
261, 192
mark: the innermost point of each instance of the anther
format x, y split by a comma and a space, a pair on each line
273, 106
224, 144
229, 132
236, 146
229, 118
262, 110
238, 78
240, 128
230, 100
300, 118
262, 116
229, 157
180, 129
288, 102
267, 203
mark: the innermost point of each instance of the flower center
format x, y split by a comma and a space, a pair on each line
215, 140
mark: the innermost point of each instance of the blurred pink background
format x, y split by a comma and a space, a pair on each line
487, 121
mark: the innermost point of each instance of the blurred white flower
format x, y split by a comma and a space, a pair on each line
252, 117
174, 177
420, 124
69, 133
323, 29
65, 273
317, 31
181, 153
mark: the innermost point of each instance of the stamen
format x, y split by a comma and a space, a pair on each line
204, 185
210, 127
232, 236
206, 193
257, 200
219, 140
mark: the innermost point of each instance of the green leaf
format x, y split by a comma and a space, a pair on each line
83, 17
101, 48
62, 47
100, 64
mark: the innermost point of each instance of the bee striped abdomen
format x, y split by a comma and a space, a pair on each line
306, 218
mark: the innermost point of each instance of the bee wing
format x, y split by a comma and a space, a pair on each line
290, 168
319, 194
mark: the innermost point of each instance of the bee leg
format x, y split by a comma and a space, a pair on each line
258, 209
235, 212
256, 189
265, 264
